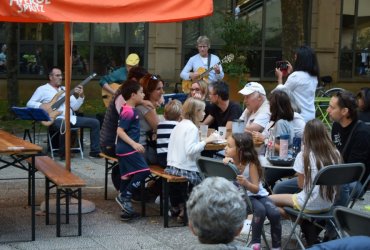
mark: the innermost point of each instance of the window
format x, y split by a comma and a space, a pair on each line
98, 48
355, 40
263, 48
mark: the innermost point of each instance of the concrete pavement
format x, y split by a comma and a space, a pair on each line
101, 229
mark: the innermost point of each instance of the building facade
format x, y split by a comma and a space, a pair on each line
338, 30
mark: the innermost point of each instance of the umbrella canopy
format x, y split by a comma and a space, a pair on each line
106, 11
98, 11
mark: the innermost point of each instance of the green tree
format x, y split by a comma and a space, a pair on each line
292, 12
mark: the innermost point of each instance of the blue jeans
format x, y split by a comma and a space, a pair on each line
82, 122
289, 186
346, 190
348, 243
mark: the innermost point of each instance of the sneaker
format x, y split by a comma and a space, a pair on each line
94, 154
125, 205
126, 216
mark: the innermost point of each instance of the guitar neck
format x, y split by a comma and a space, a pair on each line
58, 103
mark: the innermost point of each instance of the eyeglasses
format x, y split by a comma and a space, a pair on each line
195, 89
202, 46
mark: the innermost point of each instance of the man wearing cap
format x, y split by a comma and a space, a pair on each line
119, 75
257, 112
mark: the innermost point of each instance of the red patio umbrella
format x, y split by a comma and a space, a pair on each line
98, 11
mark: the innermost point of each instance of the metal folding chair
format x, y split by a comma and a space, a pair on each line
351, 222
209, 167
332, 175
55, 133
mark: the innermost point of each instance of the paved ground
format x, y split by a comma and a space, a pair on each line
101, 229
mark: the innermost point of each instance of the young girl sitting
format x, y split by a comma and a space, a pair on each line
318, 152
184, 148
240, 151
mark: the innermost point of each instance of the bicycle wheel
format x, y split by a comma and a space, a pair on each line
331, 92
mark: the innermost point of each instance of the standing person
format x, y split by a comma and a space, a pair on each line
222, 111
172, 116
133, 167
45, 93
3, 59
119, 75
240, 151
363, 101
302, 80
184, 148
108, 131
318, 152
202, 62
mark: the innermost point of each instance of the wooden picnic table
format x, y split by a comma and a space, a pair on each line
18, 150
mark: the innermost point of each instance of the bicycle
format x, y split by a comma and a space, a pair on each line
321, 90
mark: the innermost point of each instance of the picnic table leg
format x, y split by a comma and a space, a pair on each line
33, 211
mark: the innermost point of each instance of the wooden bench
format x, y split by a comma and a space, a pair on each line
110, 163
164, 197
66, 184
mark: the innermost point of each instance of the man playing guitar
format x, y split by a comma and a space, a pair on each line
43, 97
201, 62
110, 83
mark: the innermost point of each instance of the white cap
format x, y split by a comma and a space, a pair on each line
252, 87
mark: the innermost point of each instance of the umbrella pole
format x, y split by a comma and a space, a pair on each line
67, 79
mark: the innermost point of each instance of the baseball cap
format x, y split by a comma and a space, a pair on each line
132, 59
252, 87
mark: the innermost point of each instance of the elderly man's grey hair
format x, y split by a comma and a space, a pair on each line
216, 211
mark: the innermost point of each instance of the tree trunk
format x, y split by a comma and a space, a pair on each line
293, 27
12, 67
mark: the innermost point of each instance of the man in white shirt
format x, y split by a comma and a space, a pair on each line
203, 60
256, 115
45, 93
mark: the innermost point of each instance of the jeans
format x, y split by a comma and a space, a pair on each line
262, 207
82, 122
273, 175
346, 190
348, 243
289, 186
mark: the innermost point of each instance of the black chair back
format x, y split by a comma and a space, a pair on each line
213, 167
340, 174
352, 222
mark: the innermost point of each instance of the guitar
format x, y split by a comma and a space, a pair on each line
52, 107
108, 96
203, 73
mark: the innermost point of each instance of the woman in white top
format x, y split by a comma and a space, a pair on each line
318, 152
302, 80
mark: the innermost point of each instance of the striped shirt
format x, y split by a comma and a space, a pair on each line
164, 130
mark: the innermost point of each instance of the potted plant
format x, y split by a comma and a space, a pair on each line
238, 34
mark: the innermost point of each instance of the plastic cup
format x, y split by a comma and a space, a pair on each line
222, 132
203, 131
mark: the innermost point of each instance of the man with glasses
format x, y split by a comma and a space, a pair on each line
201, 62
44, 95
222, 111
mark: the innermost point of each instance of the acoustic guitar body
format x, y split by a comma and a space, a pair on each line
107, 97
48, 108
186, 84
